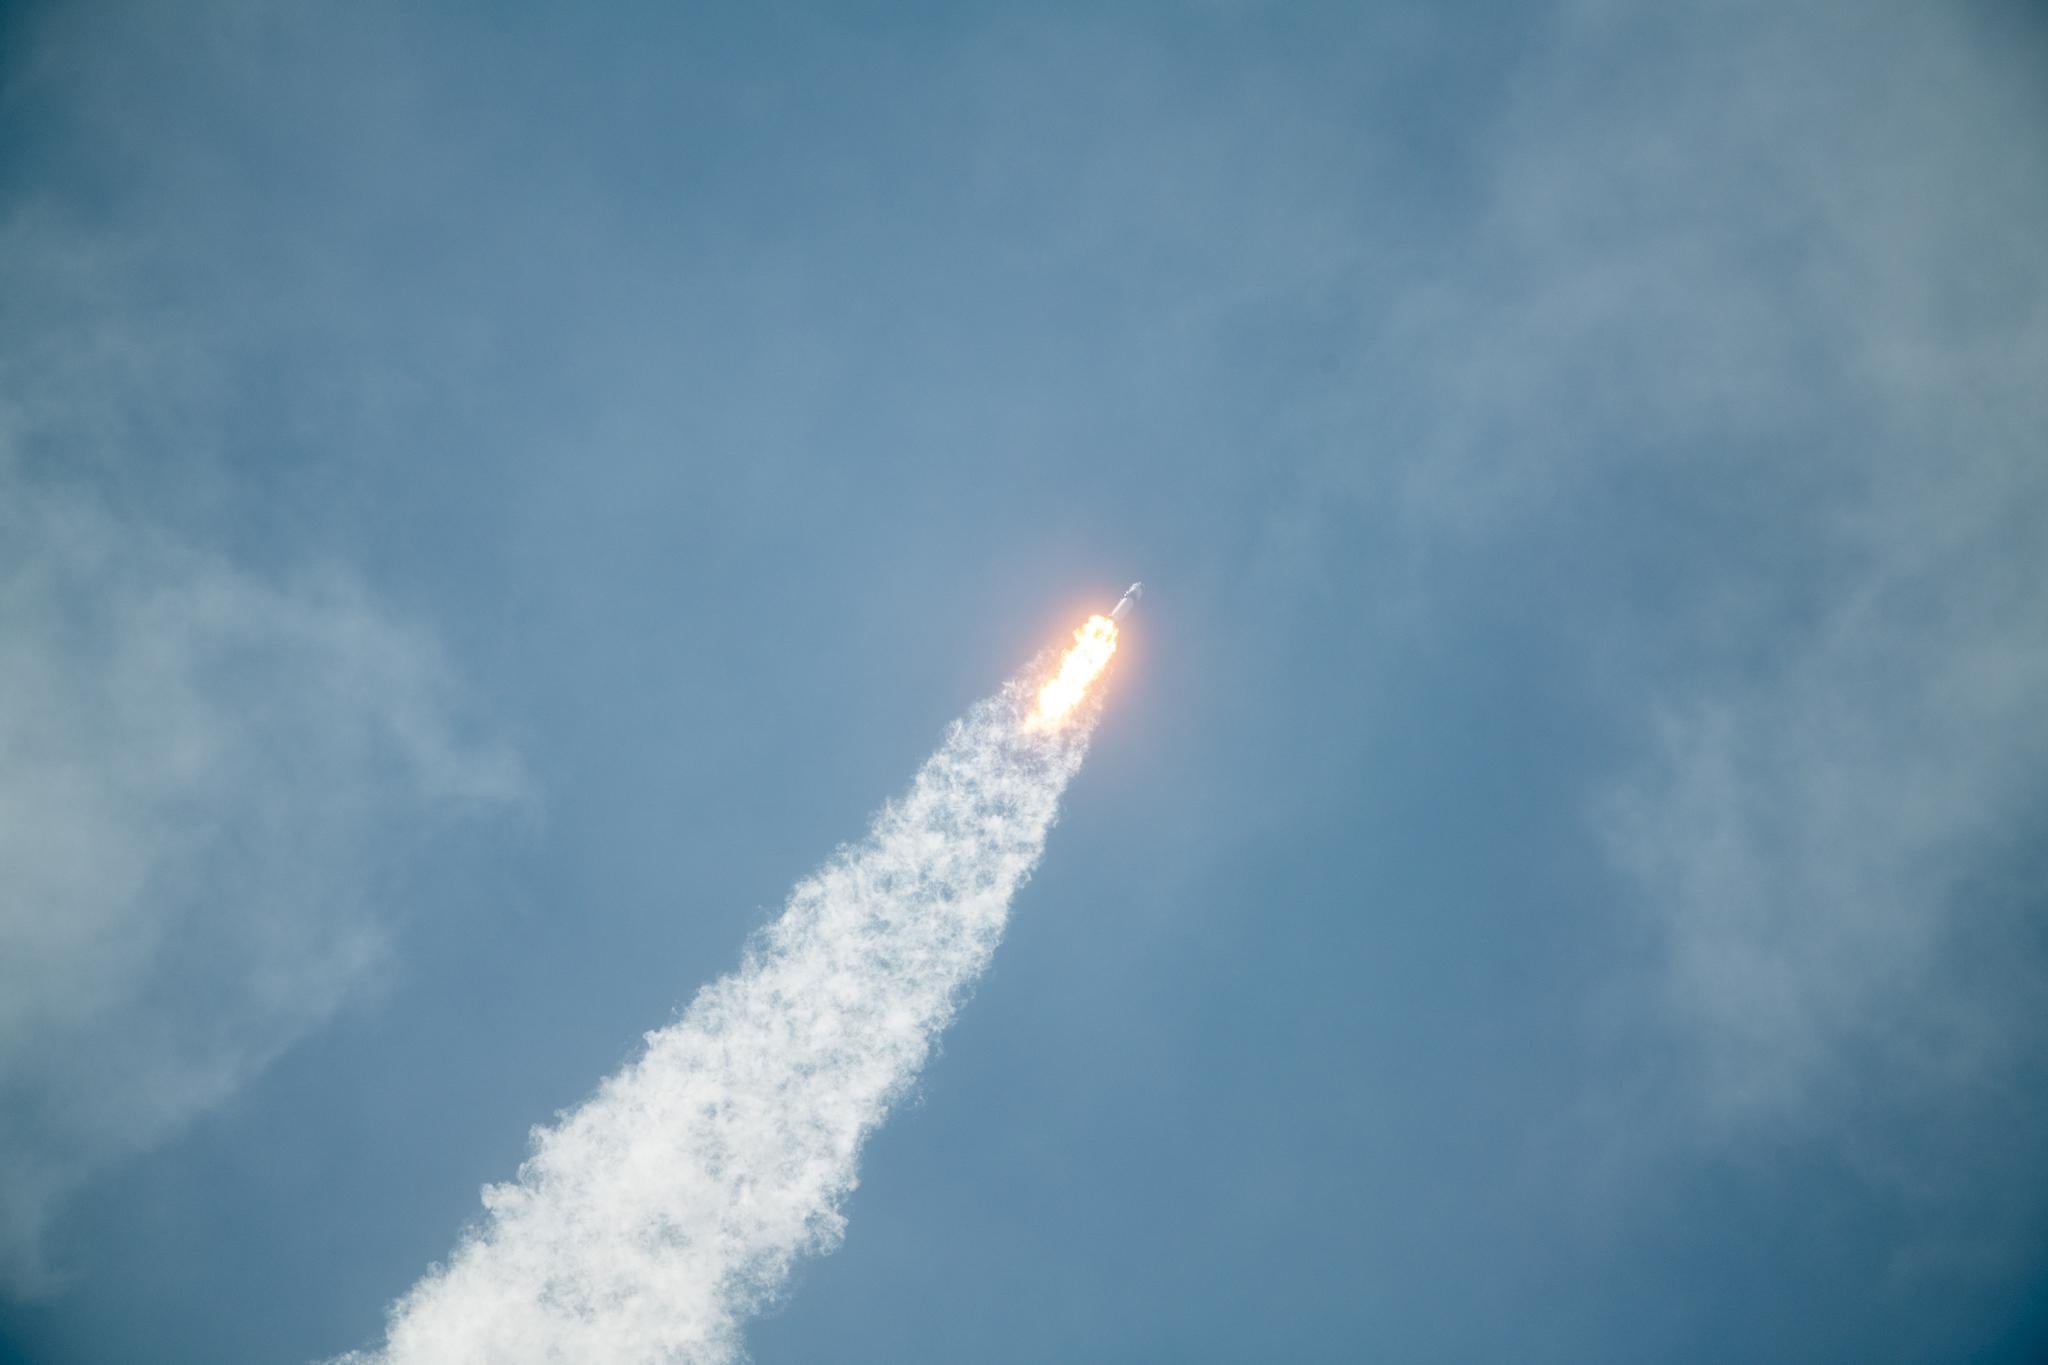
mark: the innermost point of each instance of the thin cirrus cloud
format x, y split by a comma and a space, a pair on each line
195, 768
1794, 327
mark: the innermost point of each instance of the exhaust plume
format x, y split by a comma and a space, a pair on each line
651, 1222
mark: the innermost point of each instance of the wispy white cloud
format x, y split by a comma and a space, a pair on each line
196, 767
1856, 736
1755, 306
1782, 270
205, 766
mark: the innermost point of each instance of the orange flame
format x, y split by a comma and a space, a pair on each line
1080, 666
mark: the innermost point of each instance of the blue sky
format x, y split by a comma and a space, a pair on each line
491, 496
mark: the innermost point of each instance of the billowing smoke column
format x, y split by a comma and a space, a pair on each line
651, 1222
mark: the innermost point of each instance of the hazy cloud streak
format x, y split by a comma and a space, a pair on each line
195, 766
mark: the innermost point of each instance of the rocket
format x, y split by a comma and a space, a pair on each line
1127, 601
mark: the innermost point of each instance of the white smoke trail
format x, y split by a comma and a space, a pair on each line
651, 1222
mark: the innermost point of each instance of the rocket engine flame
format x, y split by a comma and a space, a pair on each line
1094, 643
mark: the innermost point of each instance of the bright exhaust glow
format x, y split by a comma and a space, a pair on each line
1094, 643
